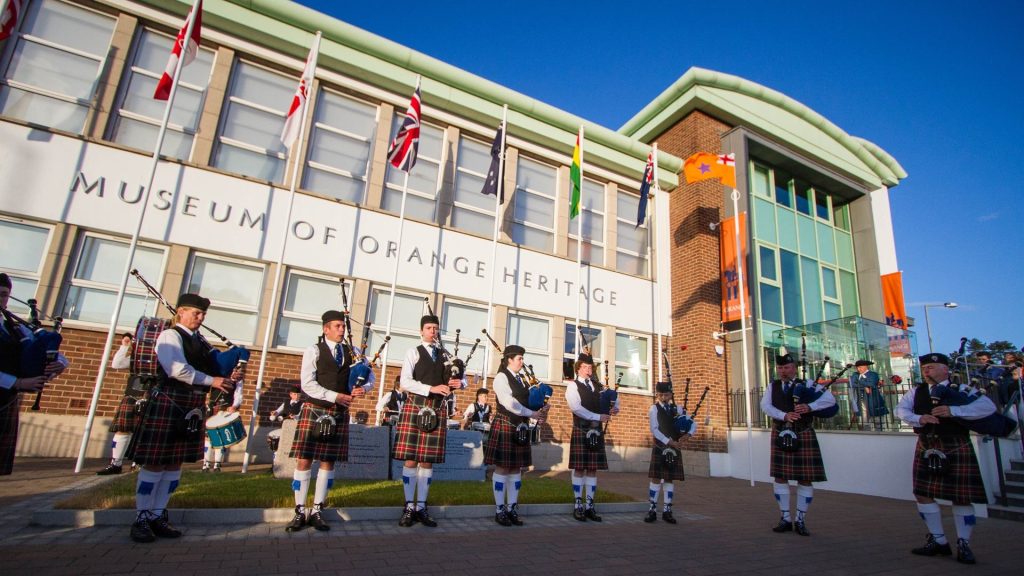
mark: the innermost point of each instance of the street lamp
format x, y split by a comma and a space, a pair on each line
928, 324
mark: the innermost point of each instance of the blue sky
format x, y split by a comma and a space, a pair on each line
938, 85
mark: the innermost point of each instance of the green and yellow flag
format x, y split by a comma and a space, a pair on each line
576, 177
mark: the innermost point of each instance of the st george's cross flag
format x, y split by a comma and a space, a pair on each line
293, 123
9, 18
163, 87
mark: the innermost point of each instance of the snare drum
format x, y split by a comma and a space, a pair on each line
484, 427
225, 429
274, 439
454, 424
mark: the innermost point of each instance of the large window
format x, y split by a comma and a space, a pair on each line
593, 338
340, 147
470, 320
591, 221
96, 278
473, 212
533, 334
632, 360
306, 298
534, 205
22, 248
234, 289
55, 66
424, 180
249, 141
631, 251
405, 323
138, 115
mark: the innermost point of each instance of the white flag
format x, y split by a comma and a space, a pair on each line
293, 123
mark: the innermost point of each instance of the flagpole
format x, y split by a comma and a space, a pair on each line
579, 244
394, 279
650, 243
494, 238
296, 145
108, 346
743, 331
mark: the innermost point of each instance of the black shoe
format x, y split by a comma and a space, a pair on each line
501, 517
424, 517
513, 515
591, 514
298, 521
963, 552
933, 548
667, 517
577, 511
162, 528
206, 468
141, 532
110, 470
652, 516
783, 526
409, 516
800, 528
316, 520
216, 467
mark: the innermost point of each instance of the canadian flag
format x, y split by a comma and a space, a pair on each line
293, 123
9, 18
163, 88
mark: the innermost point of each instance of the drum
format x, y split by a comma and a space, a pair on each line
391, 420
484, 427
454, 424
225, 429
143, 361
274, 439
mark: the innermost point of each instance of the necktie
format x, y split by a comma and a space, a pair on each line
337, 354
787, 387
433, 353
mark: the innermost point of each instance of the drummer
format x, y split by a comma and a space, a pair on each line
508, 456
478, 412
290, 408
390, 405
219, 403
322, 430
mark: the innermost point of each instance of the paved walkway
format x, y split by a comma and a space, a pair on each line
723, 529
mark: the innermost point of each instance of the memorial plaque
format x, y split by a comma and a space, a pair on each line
367, 453
463, 459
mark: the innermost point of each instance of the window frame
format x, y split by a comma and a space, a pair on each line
283, 314
310, 164
396, 125
537, 352
236, 307
645, 226
647, 365
554, 203
603, 213
460, 169
378, 334
35, 276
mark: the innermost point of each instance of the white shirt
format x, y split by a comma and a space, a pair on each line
471, 409
976, 410
652, 417
307, 375
410, 384
572, 398
171, 355
382, 404
825, 401
122, 358
503, 392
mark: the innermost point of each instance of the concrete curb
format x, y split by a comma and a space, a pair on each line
213, 516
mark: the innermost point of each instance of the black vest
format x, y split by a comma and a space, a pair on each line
589, 400
427, 370
197, 354
481, 413
667, 421
396, 401
946, 426
10, 359
329, 374
293, 408
520, 391
784, 402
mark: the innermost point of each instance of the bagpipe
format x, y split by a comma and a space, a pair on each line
538, 396
805, 393
361, 370
995, 424
427, 419
39, 346
687, 423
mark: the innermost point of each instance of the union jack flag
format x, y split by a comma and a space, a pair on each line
402, 153
645, 190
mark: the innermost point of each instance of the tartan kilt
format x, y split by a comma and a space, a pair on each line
501, 450
804, 465
411, 443
8, 434
125, 417
159, 443
307, 446
583, 458
657, 471
962, 484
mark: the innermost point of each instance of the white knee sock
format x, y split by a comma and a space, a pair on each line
590, 487
933, 520
804, 495
145, 489
167, 485
963, 517
423, 486
669, 489
782, 497
515, 482
500, 482
206, 452
218, 455
652, 494
577, 486
324, 481
300, 485
409, 484
118, 446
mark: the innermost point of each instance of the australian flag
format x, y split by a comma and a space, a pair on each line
402, 153
493, 177
645, 190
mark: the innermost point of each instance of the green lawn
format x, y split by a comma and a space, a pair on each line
262, 490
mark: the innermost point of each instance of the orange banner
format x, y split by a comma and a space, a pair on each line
730, 274
895, 312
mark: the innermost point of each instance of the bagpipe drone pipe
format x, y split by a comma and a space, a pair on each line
686, 423
39, 346
995, 424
